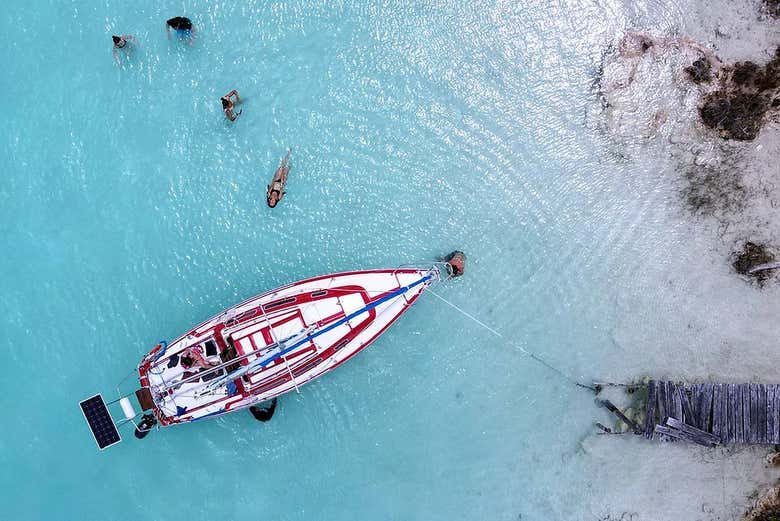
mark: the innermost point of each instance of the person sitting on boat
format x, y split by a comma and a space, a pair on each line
228, 104
276, 188
193, 356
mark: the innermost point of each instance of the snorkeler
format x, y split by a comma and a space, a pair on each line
120, 42
228, 104
276, 188
183, 27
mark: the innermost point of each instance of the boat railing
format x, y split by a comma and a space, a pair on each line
273, 337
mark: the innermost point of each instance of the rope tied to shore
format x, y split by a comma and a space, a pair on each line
528, 353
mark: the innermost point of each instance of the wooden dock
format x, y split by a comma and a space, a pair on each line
710, 414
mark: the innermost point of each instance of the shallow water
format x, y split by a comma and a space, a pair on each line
132, 210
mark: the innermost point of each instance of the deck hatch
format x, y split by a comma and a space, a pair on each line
272, 305
100, 421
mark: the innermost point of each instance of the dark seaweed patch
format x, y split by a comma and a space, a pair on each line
734, 115
767, 508
714, 190
772, 7
699, 71
738, 109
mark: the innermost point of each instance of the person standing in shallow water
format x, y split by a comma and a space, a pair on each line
228, 104
183, 27
122, 43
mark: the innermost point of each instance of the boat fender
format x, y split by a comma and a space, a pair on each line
265, 412
159, 349
144, 427
127, 408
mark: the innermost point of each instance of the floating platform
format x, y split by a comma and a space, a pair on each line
707, 414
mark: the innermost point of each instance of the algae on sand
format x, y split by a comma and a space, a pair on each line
747, 91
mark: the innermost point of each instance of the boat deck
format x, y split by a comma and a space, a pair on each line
339, 308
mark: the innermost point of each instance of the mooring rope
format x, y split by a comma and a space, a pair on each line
528, 353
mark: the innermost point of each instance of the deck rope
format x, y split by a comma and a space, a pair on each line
528, 353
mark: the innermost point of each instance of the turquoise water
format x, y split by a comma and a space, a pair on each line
131, 210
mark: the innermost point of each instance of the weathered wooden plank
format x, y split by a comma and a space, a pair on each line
724, 412
738, 414
717, 399
650, 408
754, 413
745, 413
686, 404
682, 435
662, 403
776, 415
696, 402
761, 423
671, 406
770, 421
676, 424
774, 436
732, 423
625, 419
677, 410
705, 412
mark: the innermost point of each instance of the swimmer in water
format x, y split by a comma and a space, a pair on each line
121, 42
183, 27
228, 104
276, 188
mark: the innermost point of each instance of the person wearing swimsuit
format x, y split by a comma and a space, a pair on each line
183, 27
121, 42
276, 188
228, 104
193, 356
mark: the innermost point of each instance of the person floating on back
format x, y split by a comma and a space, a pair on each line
183, 27
276, 188
228, 104
121, 42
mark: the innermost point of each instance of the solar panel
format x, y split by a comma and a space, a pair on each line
100, 421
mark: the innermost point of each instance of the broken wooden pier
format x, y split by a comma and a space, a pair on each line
710, 413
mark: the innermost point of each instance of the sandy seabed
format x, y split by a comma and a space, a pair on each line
724, 326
